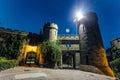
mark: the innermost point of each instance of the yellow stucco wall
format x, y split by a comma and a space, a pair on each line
40, 56
35, 49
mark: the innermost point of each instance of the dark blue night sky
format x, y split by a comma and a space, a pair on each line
30, 15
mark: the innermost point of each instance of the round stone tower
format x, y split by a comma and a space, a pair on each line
91, 46
50, 31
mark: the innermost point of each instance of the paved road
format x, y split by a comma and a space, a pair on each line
32, 73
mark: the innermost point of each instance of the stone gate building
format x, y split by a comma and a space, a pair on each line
84, 49
71, 51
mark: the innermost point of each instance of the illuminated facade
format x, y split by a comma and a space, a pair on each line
36, 55
31, 47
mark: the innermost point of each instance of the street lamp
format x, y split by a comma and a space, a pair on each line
67, 30
78, 16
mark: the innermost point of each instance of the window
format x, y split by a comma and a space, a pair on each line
84, 29
55, 33
87, 61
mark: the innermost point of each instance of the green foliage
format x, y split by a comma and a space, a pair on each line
115, 64
51, 53
10, 47
6, 64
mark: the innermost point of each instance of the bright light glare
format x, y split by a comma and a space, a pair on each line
79, 15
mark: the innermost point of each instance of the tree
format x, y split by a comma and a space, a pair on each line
10, 47
3, 50
115, 64
51, 53
115, 60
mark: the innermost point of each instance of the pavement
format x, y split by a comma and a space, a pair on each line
35, 73
30, 75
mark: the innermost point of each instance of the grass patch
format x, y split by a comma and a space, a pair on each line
6, 64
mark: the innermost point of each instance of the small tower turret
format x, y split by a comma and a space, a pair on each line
50, 31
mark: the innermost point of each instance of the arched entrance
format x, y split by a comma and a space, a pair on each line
31, 55
31, 58
68, 60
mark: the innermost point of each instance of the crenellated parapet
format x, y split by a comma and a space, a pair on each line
69, 42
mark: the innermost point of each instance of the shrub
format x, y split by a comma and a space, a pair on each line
11, 46
51, 53
115, 64
6, 64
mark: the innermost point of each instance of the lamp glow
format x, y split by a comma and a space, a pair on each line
32, 48
79, 15
67, 30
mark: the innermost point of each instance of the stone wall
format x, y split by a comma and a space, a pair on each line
69, 42
10, 31
116, 43
115, 49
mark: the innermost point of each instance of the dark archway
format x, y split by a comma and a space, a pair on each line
31, 58
68, 60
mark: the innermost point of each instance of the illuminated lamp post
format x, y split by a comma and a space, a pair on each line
78, 16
